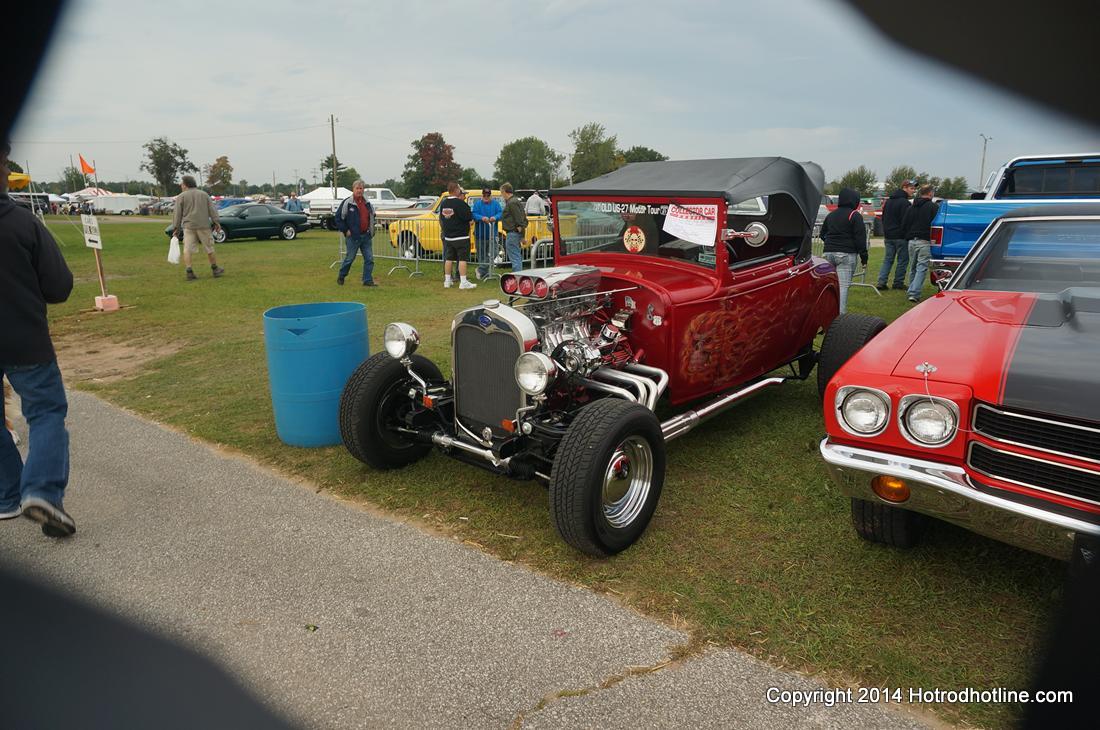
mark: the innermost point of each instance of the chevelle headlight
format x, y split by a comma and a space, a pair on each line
534, 372
928, 421
401, 340
862, 411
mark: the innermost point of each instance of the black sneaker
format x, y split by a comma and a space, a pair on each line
914, 300
340, 280
54, 520
218, 271
881, 287
369, 283
191, 275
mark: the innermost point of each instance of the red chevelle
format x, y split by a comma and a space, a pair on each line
981, 406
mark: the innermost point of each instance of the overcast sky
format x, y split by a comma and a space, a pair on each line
806, 79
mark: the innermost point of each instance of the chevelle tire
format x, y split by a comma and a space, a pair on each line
375, 396
845, 337
288, 232
888, 525
607, 476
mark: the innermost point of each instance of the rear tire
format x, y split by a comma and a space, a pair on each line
845, 337
607, 476
881, 523
375, 397
219, 236
408, 246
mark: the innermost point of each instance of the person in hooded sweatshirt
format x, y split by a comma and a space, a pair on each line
893, 229
845, 237
33, 273
918, 229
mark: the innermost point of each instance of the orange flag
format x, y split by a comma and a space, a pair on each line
85, 167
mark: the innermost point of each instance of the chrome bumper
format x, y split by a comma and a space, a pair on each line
945, 492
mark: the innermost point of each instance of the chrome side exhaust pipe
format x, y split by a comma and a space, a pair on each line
679, 425
650, 372
646, 388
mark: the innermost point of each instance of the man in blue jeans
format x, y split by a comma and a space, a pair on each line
893, 229
355, 219
514, 222
918, 229
486, 211
33, 274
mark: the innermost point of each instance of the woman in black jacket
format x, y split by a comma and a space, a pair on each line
845, 238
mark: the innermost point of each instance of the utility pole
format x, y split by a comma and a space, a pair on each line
297, 189
981, 175
332, 126
274, 192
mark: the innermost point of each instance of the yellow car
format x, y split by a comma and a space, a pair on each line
419, 235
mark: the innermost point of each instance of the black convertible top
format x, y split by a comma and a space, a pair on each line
735, 179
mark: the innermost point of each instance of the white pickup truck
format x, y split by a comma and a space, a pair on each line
321, 212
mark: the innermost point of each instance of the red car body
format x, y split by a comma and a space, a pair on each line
1023, 370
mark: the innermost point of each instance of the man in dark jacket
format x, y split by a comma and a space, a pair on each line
918, 229
897, 245
514, 223
355, 219
33, 273
455, 217
845, 238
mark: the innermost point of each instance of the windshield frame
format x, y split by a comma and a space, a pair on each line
633, 259
978, 255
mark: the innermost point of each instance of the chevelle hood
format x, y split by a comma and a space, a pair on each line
1034, 352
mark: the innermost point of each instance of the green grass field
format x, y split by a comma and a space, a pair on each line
751, 545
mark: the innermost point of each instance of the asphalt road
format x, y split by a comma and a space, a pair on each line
337, 617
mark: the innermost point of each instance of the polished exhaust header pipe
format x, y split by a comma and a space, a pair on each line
679, 425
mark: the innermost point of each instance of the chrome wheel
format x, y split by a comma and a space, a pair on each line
627, 480
288, 232
219, 236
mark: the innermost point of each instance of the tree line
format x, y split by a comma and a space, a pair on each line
527, 162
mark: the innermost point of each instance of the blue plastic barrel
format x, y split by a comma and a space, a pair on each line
312, 350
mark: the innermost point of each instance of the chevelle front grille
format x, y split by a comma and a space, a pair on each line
1038, 433
1045, 475
485, 383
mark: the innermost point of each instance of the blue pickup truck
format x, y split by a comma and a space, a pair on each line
1034, 180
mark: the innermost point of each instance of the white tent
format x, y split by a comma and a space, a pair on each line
90, 192
325, 193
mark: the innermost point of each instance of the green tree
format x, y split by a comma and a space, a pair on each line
527, 163
637, 153
14, 166
431, 166
471, 179
898, 175
166, 161
953, 188
594, 153
345, 175
219, 175
72, 180
862, 179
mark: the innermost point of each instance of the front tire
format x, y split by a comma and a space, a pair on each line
374, 399
881, 523
288, 232
607, 476
845, 337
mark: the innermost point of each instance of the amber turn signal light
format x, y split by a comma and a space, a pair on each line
891, 489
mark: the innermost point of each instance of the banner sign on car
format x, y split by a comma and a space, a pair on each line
694, 223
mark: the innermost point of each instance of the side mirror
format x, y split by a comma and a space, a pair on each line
977, 196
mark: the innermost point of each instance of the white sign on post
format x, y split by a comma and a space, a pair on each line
694, 223
91, 232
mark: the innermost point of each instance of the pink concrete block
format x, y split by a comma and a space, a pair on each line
108, 303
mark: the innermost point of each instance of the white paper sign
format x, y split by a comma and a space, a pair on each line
91, 232
694, 223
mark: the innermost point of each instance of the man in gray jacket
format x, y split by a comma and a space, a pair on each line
33, 274
193, 220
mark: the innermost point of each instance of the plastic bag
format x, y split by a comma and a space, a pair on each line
174, 251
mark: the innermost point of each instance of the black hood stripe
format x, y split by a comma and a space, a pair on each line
1055, 366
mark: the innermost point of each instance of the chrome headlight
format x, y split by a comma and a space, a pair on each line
401, 340
927, 420
862, 411
535, 372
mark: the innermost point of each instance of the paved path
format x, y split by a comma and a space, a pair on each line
413, 630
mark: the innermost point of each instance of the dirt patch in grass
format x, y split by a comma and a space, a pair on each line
103, 361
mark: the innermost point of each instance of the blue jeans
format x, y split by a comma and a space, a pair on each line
845, 264
355, 244
485, 252
46, 473
898, 247
920, 253
515, 253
